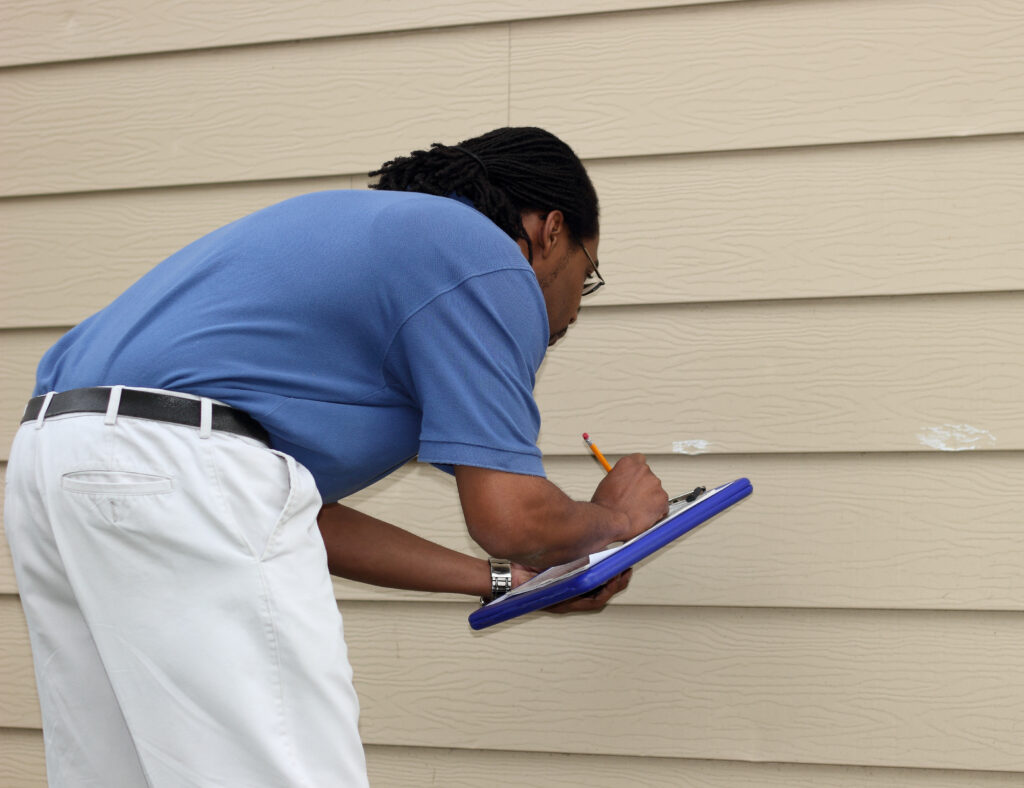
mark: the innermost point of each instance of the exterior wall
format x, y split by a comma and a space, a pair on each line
811, 233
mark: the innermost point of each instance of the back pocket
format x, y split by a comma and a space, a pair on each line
115, 483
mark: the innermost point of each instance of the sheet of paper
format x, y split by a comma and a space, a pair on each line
549, 576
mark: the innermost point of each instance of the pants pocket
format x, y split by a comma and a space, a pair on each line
124, 499
115, 483
254, 492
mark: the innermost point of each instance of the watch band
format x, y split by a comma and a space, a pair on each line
501, 577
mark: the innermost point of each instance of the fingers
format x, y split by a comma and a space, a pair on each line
608, 590
618, 583
650, 500
635, 464
653, 485
587, 603
520, 574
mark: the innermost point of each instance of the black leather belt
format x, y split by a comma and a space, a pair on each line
148, 405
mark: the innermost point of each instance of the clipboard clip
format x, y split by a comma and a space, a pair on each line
689, 497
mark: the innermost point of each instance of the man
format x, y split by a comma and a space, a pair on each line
170, 499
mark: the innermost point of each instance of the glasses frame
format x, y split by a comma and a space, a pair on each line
591, 286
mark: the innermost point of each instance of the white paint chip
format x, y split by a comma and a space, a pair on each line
690, 447
956, 437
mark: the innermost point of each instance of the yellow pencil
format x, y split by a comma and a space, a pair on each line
597, 452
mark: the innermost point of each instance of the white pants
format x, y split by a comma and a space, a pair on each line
181, 615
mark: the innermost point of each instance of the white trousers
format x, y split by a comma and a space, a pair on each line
182, 620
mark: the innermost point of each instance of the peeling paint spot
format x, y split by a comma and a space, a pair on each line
690, 447
956, 437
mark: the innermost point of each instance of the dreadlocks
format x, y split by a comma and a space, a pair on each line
503, 173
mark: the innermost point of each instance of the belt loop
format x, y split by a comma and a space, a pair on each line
42, 410
205, 417
112, 405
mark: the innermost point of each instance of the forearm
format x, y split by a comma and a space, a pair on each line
563, 532
363, 548
532, 521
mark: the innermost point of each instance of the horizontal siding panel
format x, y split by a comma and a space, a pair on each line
67, 256
885, 374
285, 110
20, 708
22, 765
20, 352
873, 374
871, 688
885, 219
872, 531
22, 761
882, 219
755, 75
899, 531
7, 582
34, 31
852, 71
938, 531
400, 767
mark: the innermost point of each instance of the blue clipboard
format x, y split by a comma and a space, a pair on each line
585, 574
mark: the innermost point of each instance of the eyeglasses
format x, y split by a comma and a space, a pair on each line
594, 281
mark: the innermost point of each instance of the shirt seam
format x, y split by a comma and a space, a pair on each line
479, 446
435, 297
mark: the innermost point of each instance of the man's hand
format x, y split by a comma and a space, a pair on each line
632, 489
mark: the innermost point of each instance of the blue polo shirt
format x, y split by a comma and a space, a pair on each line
361, 328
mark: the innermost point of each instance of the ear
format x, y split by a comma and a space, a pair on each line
547, 233
553, 232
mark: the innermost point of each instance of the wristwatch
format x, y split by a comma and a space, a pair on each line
501, 578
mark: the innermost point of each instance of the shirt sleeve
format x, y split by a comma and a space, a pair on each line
469, 359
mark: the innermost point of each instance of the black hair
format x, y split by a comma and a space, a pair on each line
503, 173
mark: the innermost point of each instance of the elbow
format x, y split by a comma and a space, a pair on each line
499, 538
523, 543
524, 540
513, 516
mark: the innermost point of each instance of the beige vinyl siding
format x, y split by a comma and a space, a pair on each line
67, 256
764, 74
920, 531
812, 240
904, 540
393, 766
21, 705
902, 531
711, 77
860, 374
282, 110
878, 688
913, 217
21, 761
40, 31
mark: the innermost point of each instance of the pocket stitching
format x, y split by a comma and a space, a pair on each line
154, 484
286, 509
